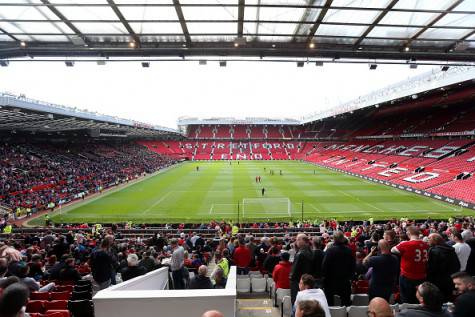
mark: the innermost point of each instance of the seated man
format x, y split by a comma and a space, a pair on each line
309, 293
379, 307
465, 302
309, 308
133, 268
219, 279
431, 300
201, 281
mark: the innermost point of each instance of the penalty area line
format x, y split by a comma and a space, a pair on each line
156, 203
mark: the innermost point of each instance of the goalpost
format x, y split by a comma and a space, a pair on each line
266, 207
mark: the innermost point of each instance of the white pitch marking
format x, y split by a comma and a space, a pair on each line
157, 202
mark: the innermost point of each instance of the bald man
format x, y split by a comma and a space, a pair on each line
303, 264
385, 268
201, 281
379, 307
212, 313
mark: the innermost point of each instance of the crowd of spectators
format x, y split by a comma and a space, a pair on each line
417, 263
34, 177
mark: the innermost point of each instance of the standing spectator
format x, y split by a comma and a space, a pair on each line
431, 300
134, 268
462, 249
177, 265
242, 258
102, 265
281, 272
308, 292
338, 269
201, 280
272, 259
413, 264
384, 270
441, 264
465, 302
390, 237
302, 264
317, 261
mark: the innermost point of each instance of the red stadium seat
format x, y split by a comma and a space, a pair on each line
35, 306
56, 305
60, 295
39, 296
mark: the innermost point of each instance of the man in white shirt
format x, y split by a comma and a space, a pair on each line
462, 249
308, 292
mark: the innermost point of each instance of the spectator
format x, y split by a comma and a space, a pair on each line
384, 270
133, 269
272, 259
413, 264
242, 258
441, 264
30, 282
390, 237
281, 272
431, 300
14, 300
318, 256
338, 267
465, 302
379, 307
462, 249
302, 264
102, 265
212, 313
69, 272
219, 279
221, 263
309, 308
148, 262
308, 292
177, 265
201, 280
3, 268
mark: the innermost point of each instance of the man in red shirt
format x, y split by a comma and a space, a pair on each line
281, 274
413, 255
242, 258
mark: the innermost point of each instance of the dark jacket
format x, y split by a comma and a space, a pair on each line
470, 269
270, 262
338, 263
465, 305
303, 264
200, 282
133, 271
317, 262
441, 264
422, 312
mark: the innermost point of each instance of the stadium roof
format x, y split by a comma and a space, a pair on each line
184, 121
442, 30
18, 113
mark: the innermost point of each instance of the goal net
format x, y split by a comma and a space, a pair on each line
258, 207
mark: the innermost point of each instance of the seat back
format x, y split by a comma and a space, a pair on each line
60, 295
39, 296
258, 284
360, 299
56, 305
279, 295
243, 285
358, 311
338, 311
35, 306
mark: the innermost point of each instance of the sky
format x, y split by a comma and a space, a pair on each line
168, 90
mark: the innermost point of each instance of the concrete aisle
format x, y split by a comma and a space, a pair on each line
256, 307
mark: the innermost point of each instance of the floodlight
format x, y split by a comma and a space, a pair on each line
413, 66
373, 66
145, 64
444, 68
4, 63
223, 63
300, 64
69, 63
318, 63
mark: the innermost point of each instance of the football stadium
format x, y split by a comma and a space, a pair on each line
238, 158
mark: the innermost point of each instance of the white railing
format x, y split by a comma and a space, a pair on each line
148, 296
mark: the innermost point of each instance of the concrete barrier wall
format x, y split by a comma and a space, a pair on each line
137, 297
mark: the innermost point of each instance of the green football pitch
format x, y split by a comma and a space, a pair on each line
222, 191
